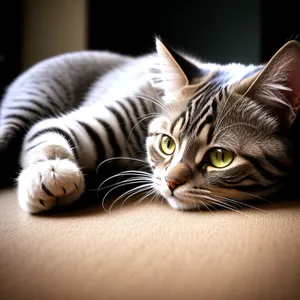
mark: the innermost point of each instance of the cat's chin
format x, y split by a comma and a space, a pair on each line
181, 205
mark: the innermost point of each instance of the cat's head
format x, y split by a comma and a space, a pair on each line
223, 132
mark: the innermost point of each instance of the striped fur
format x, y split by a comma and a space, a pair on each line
78, 110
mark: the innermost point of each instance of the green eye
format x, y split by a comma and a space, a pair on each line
167, 145
220, 158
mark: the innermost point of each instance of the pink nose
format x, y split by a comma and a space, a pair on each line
172, 183
178, 175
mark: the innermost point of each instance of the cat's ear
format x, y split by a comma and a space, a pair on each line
278, 83
170, 70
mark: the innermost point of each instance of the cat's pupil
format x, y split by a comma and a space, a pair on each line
220, 155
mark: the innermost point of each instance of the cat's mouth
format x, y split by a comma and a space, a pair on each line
183, 198
179, 200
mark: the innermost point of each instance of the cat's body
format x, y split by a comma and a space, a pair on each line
208, 140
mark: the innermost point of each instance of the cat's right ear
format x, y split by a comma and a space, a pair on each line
278, 83
170, 70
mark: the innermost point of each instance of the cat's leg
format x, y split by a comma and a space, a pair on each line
51, 175
56, 151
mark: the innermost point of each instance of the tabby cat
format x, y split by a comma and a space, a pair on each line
210, 134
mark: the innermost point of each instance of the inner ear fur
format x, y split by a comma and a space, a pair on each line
278, 83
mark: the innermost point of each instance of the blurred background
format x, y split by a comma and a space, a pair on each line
249, 31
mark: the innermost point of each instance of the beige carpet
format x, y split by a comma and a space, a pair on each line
149, 251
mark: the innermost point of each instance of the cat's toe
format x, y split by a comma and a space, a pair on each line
49, 183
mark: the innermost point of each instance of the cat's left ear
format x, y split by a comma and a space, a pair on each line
171, 71
278, 84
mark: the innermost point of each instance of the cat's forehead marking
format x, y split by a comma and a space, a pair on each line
202, 137
200, 155
189, 147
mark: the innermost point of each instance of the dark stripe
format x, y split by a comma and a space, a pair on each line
208, 120
214, 107
193, 121
121, 122
134, 107
253, 188
28, 109
204, 112
19, 117
112, 137
237, 180
57, 95
126, 113
210, 134
30, 148
50, 100
200, 91
96, 139
119, 117
133, 132
276, 164
134, 128
68, 95
14, 124
62, 86
143, 106
259, 168
212, 128
41, 106
142, 120
209, 89
61, 132
226, 93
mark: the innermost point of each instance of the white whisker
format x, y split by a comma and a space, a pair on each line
128, 181
160, 104
127, 173
256, 196
138, 189
120, 158
241, 204
223, 204
144, 197
143, 119
112, 189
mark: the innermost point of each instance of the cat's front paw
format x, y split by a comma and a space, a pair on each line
49, 183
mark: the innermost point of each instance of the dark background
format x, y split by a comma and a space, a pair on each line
10, 41
222, 31
217, 30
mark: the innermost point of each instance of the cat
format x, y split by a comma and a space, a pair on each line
209, 134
